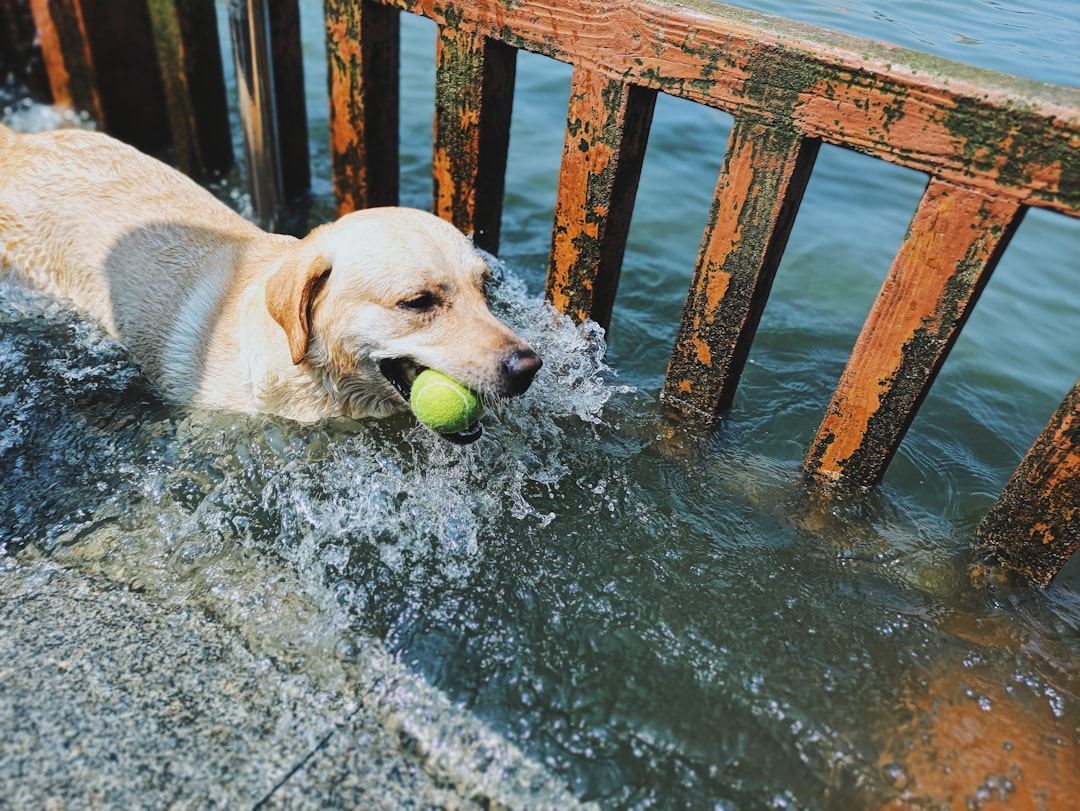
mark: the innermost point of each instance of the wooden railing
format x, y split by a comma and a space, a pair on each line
990, 145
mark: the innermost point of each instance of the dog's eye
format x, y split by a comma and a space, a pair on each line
419, 304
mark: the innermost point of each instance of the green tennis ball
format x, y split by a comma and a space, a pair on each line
443, 404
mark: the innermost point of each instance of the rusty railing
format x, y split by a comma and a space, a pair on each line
990, 145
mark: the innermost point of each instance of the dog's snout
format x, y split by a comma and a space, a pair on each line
519, 368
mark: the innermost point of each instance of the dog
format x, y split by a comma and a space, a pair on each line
223, 314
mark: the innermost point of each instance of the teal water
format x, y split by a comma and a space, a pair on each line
659, 617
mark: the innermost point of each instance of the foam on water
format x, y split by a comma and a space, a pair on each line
265, 525
25, 115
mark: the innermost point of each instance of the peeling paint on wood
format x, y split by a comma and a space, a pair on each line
1033, 528
474, 90
948, 254
606, 132
761, 185
363, 82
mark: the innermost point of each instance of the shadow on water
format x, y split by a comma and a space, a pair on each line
69, 395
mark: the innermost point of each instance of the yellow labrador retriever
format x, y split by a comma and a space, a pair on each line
224, 314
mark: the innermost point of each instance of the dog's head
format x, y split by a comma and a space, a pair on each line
376, 297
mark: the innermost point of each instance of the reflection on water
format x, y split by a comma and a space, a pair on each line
599, 601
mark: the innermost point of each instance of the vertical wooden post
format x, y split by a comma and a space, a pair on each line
189, 56
66, 52
1034, 528
270, 89
951, 248
287, 60
114, 58
250, 30
764, 175
20, 52
606, 133
363, 51
474, 95
126, 69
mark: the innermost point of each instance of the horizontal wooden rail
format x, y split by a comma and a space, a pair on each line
977, 128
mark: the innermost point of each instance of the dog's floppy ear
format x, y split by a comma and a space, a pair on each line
290, 293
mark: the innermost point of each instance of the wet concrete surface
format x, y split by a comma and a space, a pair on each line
110, 701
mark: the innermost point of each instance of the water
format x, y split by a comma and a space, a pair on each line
643, 615
1033, 38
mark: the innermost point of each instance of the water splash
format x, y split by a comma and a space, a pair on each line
272, 528
24, 115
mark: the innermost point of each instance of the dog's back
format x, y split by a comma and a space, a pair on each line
222, 313
80, 193
120, 234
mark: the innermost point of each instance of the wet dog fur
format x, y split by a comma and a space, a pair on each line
223, 314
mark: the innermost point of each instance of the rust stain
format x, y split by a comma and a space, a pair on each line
607, 124
936, 276
468, 118
443, 184
346, 107
739, 187
716, 286
702, 353
558, 297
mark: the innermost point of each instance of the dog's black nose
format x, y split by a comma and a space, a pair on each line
519, 368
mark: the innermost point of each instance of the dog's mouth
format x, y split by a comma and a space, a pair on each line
401, 372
